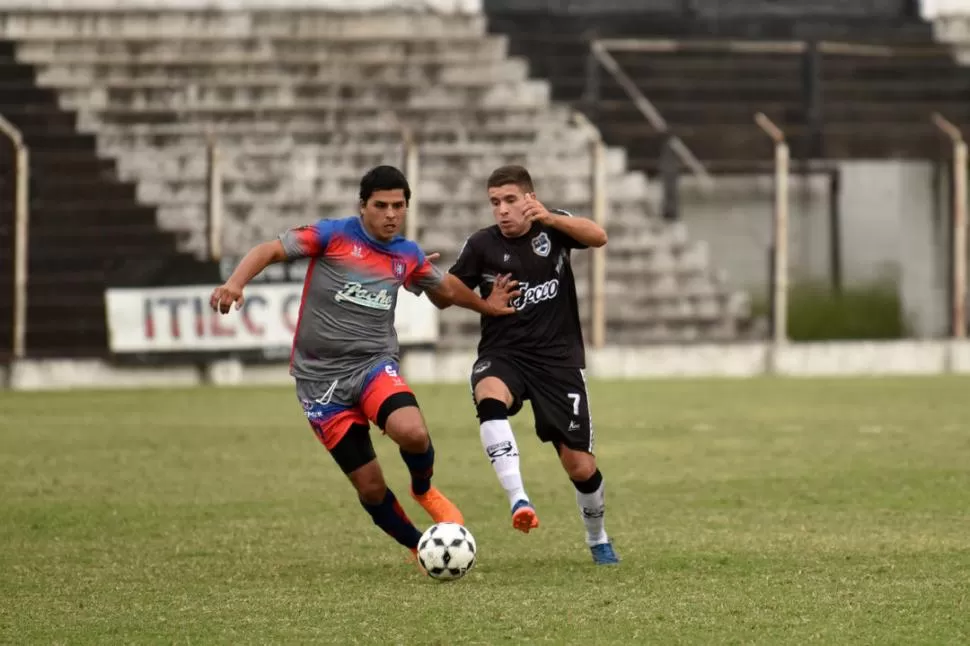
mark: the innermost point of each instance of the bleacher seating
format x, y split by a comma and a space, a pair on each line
84, 222
869, 104
301, 103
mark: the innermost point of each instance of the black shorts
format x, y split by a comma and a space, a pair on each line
560, 400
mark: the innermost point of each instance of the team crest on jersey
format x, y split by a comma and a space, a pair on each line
398, 267
541, 244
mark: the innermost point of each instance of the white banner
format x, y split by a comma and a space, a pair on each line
179, 319
931, 9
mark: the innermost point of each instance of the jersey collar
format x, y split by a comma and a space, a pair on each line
359, 223
535, 228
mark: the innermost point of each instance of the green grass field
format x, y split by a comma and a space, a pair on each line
768, 512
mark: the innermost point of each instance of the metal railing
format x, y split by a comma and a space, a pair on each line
412, 170
21, 235
215, 159
597, 276
600, 50
599, 212
958, 310
779, 280
214, 226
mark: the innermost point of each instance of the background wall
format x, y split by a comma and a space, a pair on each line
893, 218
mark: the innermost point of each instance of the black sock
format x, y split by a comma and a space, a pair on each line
591, 485
421, 466
390, 517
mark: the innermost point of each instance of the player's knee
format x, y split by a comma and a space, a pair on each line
372, 493
590, 484
490, 409
493, 388
579, 465
412, 437
397, 410
407, 428
580, 471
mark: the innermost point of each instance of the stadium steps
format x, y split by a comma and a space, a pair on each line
85, 223
871, 106
296, 98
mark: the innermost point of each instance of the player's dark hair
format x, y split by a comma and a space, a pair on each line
383, 178
511, 174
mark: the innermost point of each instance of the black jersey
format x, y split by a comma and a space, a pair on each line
546, 327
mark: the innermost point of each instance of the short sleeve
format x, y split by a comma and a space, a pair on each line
424, 277
308, 241
468, 267
565, 240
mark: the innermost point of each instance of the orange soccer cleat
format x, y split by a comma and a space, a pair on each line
524, 516
438, 507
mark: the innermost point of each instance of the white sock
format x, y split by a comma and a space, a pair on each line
500, 447
592, 509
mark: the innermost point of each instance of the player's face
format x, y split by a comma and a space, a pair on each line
508, 204
384, 213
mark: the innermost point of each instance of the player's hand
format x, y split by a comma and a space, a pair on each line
504, 289
431, 257
223, 297
535, 211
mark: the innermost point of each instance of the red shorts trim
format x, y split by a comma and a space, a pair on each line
333, 429
331, 422
384, 384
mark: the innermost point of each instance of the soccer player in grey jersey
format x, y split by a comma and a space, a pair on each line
345, 351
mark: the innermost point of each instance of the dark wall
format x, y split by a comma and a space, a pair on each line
833, 107
716, 8
85, 223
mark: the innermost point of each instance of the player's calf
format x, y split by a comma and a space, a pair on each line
382, 505
401, 419
391, 517
500, 446
591, 500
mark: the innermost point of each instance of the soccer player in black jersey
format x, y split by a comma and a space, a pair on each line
536, 353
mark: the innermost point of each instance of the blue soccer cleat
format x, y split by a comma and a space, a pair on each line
604, 554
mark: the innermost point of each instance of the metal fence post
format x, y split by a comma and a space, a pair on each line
779, 308
597, 279
959, 278
21, 233
215, 224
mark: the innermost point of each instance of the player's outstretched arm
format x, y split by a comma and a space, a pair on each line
259, 258
451, 291
582, 230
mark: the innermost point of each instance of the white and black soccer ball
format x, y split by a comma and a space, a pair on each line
447, 551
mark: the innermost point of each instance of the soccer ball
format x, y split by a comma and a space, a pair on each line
447, 551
